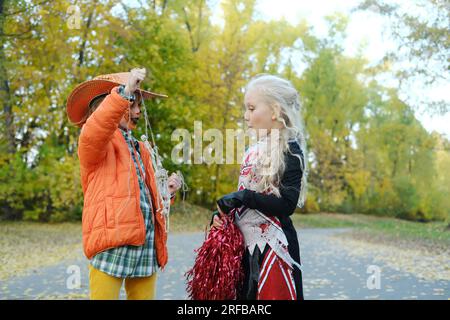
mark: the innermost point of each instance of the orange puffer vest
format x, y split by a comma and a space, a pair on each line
112, 215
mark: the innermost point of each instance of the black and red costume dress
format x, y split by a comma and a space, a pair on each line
271, 261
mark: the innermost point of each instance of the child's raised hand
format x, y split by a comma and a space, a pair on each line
136, 77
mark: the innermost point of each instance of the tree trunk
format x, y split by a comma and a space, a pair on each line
5, 92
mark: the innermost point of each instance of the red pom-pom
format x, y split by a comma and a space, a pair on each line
218, 273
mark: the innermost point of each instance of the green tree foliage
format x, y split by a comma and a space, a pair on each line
368, 153
420, 31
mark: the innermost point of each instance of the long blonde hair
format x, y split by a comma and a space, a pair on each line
280, 93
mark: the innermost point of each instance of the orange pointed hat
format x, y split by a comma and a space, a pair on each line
79, 99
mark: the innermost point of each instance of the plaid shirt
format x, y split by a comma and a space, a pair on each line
132, 261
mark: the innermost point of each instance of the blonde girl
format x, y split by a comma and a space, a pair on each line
272, 183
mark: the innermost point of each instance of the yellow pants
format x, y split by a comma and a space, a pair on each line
105, 287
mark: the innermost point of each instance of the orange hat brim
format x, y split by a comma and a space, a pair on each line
79, 99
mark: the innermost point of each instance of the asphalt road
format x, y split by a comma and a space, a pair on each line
330, 271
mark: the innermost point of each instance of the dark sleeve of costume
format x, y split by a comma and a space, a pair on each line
285, 205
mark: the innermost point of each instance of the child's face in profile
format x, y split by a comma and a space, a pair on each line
131, 118
258, 114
